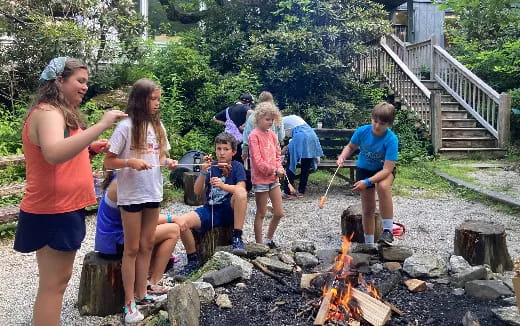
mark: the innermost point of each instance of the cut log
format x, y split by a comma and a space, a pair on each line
190, 197
351, 222
208, 241
483, 242
372, 310
321, 317
305, 281
101, 286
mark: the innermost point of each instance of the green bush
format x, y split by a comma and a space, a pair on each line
414, 142
11, 122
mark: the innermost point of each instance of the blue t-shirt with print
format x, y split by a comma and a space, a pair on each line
217, 196
374, 151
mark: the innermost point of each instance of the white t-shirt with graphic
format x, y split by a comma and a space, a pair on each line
136, 187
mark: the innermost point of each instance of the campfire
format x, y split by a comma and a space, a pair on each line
347, 298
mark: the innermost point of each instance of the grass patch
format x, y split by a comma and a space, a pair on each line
9, 200
8, 230
12, 174
455, 169
418, 179
322, 177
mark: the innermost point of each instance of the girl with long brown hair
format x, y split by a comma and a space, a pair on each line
139, 147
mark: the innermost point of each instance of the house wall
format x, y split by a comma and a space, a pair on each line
428, 20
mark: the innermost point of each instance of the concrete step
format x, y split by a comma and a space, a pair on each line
459, 123
473, 153
469, 142
464, 132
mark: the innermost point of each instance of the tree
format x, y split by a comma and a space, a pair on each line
302, 49
93, 30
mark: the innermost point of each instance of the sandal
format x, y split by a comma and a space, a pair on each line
299, 195
156, 289
287, 196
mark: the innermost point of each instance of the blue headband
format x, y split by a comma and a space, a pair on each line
53, 69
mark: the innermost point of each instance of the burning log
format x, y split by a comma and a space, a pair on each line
373, 311
321, 317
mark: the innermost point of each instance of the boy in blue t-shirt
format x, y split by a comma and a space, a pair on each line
226, 201
375, 169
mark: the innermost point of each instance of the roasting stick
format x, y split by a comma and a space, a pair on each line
291, 188
324, 198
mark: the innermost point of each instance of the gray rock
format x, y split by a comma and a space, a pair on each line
458, 291
286, 258
326, 256
389, 283
223, 301
184, 305
469, 319
396, 253
225, 275
206, 292
364, 248
420, 265
303, 246
471, 274
458, 264
392, 266
241, 285
359, 259
253, 249
305, 259
508, 315
274, 264
376, 268
223, 259
487, 289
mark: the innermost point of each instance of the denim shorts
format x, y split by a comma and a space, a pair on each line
362, 174
264, 188
134, 208
222, 216
63, 231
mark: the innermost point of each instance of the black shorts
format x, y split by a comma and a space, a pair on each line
362, 174
63, 231
134, 208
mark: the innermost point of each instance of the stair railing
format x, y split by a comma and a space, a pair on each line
491, 109
382, 61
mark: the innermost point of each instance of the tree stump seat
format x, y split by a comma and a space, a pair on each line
190, 197
207, 242
101, 286
352, 223
483, 242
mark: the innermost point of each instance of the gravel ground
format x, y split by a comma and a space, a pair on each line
499, 180
430, 224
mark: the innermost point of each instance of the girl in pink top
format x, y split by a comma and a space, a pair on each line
266, 169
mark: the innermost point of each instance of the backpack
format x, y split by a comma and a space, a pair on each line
232, 128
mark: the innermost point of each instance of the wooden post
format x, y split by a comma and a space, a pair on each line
101, 286
503, 121
436, 121
482, 242
434, 64
190, 197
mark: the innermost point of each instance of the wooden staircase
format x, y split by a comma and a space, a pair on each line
465, 116
462, 135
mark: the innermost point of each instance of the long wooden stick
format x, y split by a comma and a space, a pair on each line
273, 275
324, 197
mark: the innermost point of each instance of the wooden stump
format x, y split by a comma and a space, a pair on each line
208, 241
101, 286
190, 198
482, 242
351, 222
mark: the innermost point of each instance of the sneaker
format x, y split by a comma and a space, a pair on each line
132, 314
147, 299
270, 243
238, 246
286, 196
188, 269
386, 238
